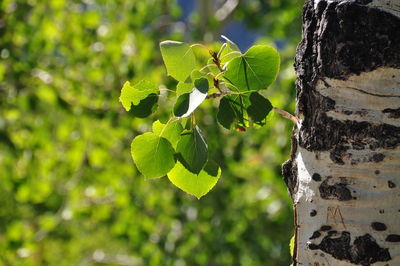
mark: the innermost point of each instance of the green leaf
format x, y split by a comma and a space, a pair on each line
171, 131
153, 155
232, 111
196, 185
259, 108
230, 51
134, 94
188, 85
255, 70
182, 105
178, 58
192, 150
184, 87
145, 107
188, 102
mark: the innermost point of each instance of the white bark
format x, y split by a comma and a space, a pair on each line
358, 196
370, 92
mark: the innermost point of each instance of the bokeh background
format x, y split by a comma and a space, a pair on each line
69, 191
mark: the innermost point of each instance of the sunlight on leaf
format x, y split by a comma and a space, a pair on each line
178, 58
134, 94
196, 185
255, 70
171, 131
188, 102
153, 155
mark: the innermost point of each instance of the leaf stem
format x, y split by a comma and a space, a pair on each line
233, 52
286, 115
203, 68
221, 50
163, 89
165, 126
201, 45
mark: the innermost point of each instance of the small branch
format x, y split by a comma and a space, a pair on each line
216, 95
286, 115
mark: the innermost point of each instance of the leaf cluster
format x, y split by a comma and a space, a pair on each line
178, 148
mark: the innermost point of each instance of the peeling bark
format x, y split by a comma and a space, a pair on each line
345, 162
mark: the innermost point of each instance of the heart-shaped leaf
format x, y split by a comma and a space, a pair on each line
196, 185
188, 102
192, 150
259, 108
179, 59
171, 131
232, 111
153, 155
145, 107
255, 70
134, 94
184, 87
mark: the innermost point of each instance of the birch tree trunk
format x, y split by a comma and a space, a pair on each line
344, 172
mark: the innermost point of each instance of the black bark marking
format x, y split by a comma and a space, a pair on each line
331, 233
377, 172
325, 228
289, 169
313, 213
338, 191
364, 250
391, 184
347, 112
377, 157
378, 226
363, 2
316, 177
340, 39
316, 234
381, 211
393, 238
337, 154
393, 113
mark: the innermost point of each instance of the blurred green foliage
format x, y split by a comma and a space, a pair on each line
69, 192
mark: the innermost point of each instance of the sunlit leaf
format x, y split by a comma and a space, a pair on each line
192, 150
178, 58
171, 131
230, 51
184, 87
134, 94
188, 102
196, 185
259, 108
153, 155
255, 70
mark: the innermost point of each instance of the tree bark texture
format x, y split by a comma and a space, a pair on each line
344, 171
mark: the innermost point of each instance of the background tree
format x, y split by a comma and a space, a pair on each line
69, 193
344, 175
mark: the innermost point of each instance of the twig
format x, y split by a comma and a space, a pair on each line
286, 115
216, 95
